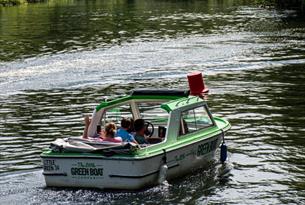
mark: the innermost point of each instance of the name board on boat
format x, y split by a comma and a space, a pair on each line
206, 147
50, 165
202, 149
87, 170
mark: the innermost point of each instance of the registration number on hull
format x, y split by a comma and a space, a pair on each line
50, 165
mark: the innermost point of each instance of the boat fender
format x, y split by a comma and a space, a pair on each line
223, 149
163, 169
162, 173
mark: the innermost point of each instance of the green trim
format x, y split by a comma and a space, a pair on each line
184, 101
49, 153
104, 104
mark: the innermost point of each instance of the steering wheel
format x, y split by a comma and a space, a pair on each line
148, 132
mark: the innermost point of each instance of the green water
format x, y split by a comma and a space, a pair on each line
58, 59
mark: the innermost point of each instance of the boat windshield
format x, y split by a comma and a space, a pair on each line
149, 111
152, 112
195, 119
116, 114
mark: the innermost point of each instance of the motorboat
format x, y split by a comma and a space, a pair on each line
183, 135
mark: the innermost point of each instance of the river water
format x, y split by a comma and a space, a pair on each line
58, 59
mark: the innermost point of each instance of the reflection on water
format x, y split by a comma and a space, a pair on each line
254, 63
62, 26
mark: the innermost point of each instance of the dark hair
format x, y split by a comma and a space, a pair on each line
125, 123
139, 124
110, 130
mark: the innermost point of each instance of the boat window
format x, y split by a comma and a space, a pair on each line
116, 114
153, 113
194, 119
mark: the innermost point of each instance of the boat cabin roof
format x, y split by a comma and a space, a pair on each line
176, 98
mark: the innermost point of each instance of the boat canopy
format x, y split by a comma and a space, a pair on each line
146, 94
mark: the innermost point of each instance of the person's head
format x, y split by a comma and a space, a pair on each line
139, 126
110, 129
125, 123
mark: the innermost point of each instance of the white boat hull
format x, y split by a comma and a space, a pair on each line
127, 173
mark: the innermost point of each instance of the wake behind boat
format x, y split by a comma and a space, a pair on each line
181, 135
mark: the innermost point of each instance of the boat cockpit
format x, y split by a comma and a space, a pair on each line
155, 117
141, 104
150, 105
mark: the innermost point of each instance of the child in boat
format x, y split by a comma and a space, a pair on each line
139, 126
123, 131
110, 130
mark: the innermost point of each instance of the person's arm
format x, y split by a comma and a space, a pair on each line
132, 139
87, 123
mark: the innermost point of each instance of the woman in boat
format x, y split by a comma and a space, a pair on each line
106, 135
126, 124
110, 130
139, 126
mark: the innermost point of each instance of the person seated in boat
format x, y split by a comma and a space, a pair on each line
126, 124
110, 133
139, 126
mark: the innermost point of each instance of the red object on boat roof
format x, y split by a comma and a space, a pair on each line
196, 84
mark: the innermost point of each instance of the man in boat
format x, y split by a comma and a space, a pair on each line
123, 131
139, 126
